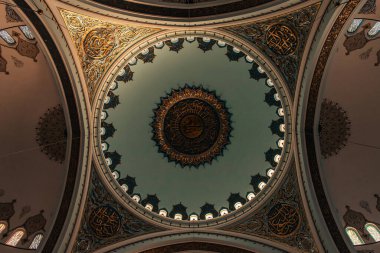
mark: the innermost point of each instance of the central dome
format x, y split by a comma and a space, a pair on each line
191, 126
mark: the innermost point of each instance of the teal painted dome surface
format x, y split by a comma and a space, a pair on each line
235, 175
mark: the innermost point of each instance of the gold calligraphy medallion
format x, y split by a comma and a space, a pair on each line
281, 39
191, 126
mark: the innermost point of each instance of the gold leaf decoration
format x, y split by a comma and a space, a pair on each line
98, 43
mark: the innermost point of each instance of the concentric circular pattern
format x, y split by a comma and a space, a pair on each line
191, 126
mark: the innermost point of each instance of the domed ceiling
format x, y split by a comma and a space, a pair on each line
181, 117
194, 125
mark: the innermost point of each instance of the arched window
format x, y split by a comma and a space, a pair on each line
7, 37
36, 241
3, 226
15, 238
354, 25
374, 231
354, 236
374, 30
27, 32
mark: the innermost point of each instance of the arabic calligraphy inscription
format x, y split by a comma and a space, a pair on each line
105, 221
281, 39
283, 219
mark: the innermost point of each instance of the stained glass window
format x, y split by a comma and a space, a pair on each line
374, 30
27, 32
2, 227
374, 231
7, 37
15, 237
36, 241
355, 25
354, 236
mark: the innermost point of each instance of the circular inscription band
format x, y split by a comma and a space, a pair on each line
191, 126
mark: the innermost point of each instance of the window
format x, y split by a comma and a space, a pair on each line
354, 236
7, 37
27, 32
277, 158
354, 25
262, 185
209, 216
136, 198
178, 216
15, 237
250, 196
374, 30
223, 211
237, 205
124, 187
374, 231
3, 226
193, 217
116, 174
163, 212
270, 172
149, 207
36, 241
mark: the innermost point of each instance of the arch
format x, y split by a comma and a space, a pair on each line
15, 237
374, 231
354, 236
36, 241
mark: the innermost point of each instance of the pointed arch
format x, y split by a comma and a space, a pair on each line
354, 236
374, 231
36, 241
15, 237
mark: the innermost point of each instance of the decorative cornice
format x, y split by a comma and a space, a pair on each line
98, 43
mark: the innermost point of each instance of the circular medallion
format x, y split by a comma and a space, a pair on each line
105, 221
99, 42
283, 219
281, 39
191, 126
